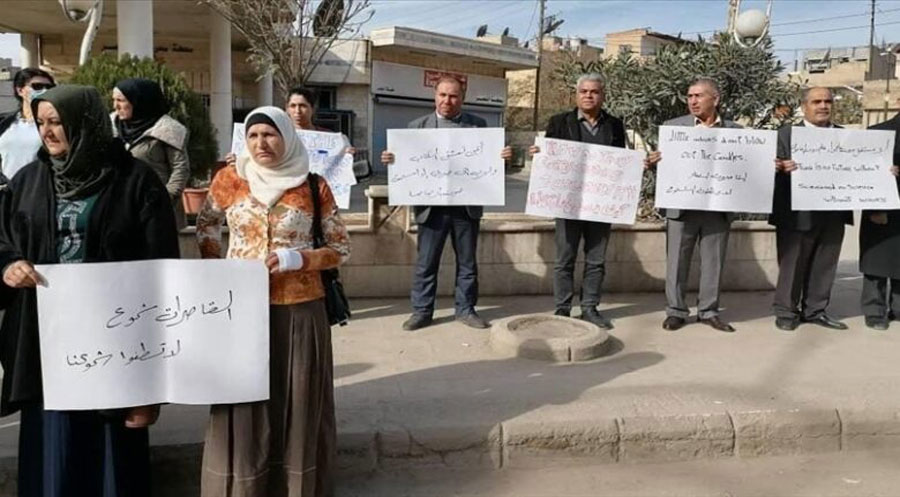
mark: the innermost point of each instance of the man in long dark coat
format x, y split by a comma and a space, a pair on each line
879, 253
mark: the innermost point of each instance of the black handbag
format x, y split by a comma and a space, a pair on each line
336, 304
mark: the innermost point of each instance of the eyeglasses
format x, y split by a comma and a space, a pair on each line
41, 86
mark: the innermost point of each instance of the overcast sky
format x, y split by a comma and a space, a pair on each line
797, 24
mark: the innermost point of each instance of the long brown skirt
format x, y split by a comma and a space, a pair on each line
283, 447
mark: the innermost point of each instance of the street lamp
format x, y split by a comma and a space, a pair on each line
751, 26
81, 11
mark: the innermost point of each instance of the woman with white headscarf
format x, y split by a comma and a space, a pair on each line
283, 446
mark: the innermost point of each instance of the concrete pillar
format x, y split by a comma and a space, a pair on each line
29, 52
220, 80
264, 90
134, 27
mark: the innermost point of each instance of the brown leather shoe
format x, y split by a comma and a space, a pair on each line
673, 323
716, 323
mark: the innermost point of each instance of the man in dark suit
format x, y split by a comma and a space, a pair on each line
879, 253
685, 229
588, 123
435, 223
808, 242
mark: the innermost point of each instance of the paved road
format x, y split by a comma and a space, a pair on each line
868, 474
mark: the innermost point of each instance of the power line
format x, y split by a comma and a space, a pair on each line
803, 21
832, 18
775, 35
531, 21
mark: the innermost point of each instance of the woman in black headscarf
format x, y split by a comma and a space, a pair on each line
151, 135
83, 200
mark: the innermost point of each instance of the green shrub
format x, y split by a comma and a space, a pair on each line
104, 71
647, 92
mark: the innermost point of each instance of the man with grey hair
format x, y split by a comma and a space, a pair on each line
588, 123
685, 229
808, 242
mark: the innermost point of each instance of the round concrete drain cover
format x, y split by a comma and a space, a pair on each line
549, 338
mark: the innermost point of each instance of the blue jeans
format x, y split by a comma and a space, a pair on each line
463, 231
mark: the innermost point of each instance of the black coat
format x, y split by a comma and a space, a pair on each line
132, 219
879, 245
565, 126
783, 216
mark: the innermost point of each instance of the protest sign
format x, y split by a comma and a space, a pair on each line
716, 169
450, 166
842, 169
149, 332
574, 180
326, 158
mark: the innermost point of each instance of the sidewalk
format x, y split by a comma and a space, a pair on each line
442, 396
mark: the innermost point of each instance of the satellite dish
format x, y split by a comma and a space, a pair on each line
551, 24
505, 32
329, 16
482, 30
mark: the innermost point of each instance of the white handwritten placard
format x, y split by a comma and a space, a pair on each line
148, 332
716, 169
842, 169
574, 180
455, 166
327, 158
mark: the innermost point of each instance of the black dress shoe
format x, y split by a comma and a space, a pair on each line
473, 320
717, 324
592, 316
673, 323
787, 324
416, 321
877, 323
825, 321
562, 312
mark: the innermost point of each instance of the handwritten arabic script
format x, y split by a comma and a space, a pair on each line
147, 332
458, 166
327, 158
842, 169
716, 169
169, 316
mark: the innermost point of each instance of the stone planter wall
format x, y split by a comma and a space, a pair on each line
516, 256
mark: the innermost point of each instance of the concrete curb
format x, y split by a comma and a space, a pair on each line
530, 443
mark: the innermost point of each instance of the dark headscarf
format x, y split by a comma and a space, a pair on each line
83, 171
148, 104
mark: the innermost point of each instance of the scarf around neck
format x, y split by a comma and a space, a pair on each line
268, 184
83, 171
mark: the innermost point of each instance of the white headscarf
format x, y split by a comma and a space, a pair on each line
268, 184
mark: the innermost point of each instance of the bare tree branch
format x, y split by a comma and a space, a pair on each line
289, 38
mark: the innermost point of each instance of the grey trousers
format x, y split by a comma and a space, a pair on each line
569, 233
877, 299
807, 264
710, 230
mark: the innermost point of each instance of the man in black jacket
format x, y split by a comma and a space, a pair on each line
879, 253
588, 123
808, 242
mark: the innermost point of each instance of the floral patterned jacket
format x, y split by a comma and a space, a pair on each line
256, 230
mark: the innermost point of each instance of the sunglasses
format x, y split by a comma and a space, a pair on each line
41, 86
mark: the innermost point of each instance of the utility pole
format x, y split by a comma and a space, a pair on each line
871, 76
537, 74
